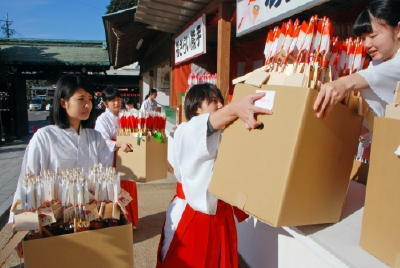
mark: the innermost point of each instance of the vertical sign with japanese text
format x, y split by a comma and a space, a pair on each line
255, 14
192, 42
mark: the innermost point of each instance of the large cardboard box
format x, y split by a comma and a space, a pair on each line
108, 247
296, 170
147, 162
381, 222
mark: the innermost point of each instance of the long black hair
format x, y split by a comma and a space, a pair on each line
387, 11
151, 91
197, 94
66, 87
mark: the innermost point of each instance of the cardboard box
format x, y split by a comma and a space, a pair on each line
147, 162
108, 247
380, 228
296, 170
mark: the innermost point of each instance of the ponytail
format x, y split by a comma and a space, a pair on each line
151, 91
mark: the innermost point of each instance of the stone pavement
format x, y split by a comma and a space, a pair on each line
11, 156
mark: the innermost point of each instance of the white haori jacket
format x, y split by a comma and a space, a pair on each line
53, 148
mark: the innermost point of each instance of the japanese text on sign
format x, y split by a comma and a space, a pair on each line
255, 14
192, 42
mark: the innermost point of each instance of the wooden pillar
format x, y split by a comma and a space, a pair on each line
224, 46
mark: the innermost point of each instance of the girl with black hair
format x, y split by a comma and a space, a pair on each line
107, 122
200, 230
107, 125
129, 104
71, 142
150, 103
379, 26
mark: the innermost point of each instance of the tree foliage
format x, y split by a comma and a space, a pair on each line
116, 5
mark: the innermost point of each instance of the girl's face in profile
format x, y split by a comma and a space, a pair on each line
79, 105
153, 96
384, 41
209, 106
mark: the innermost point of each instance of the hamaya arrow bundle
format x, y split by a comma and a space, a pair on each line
311, 43
142, 123
70, 200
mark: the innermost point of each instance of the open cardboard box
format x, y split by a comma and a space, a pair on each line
296, 170
108, 247
147, 162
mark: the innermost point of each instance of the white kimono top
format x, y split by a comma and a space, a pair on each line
53, 148
382, 79
149, 105
193, 158
107, 125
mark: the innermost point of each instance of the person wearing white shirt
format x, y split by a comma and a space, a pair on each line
107, 125
129, 105
150, 103
107, 122
71, 142
379, 27
200, 230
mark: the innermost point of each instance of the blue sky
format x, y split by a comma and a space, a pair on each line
56, 19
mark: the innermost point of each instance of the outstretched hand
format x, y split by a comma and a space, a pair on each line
125, 147
329, 95
246, 111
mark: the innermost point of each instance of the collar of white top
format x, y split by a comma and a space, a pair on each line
110, 113
71, 130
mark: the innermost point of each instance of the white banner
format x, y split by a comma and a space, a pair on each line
255, 14
192, 42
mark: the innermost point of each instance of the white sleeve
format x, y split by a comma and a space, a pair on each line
101, 126
105, 154
146, 105
195, 136
382, 78
195, 154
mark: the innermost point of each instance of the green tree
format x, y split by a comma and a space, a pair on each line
116, 5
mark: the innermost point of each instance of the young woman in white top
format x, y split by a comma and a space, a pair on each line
107, 125
71, 142
379, 27
150, 103
107, 122
200, 230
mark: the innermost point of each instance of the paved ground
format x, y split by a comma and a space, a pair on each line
153, 200
10, 163
11, 155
